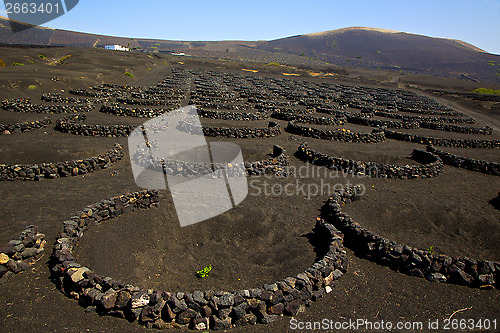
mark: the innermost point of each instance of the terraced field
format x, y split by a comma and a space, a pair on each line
363, 202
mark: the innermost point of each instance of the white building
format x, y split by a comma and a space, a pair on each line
116, 48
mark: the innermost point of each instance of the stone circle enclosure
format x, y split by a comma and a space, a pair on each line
196, 310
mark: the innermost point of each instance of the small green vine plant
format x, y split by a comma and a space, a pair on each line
204, 272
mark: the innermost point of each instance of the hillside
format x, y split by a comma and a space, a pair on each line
367, 47
348, 47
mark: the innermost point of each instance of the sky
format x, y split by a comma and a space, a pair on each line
474, 22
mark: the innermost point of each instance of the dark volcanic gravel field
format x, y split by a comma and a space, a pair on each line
262, 240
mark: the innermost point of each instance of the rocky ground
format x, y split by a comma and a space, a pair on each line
264, 239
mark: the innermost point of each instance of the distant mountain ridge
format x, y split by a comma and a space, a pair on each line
391, 32
352, 47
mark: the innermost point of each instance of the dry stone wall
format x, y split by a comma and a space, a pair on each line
272, 130
463, 143
27, 126
17, 255
288, 116
406, 259
133, 112
343, 136
57, 98
60, 169
199, 309
240, 116
489, 168
276, 164
24, 105
432, 165
73, 125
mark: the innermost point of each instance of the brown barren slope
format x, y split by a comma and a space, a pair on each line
356, 47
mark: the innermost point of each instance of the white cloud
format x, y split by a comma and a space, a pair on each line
3, 12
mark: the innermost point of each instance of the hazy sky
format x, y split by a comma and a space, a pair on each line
474, 21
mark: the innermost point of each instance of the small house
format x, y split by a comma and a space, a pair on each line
116, 48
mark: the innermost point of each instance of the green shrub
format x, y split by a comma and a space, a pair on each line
128, 74
32, 86
17, 64
487, 91
204, 272
64, 58
42, 56
2, 64
274, 64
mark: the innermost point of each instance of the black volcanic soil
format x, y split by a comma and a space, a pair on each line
260, 241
